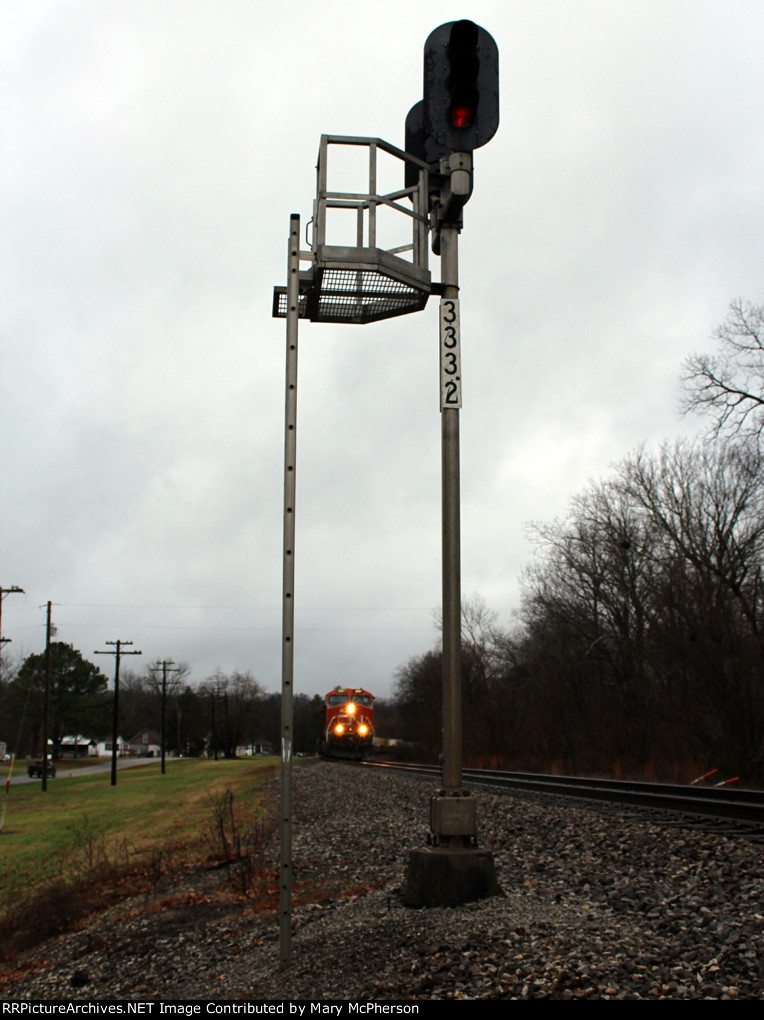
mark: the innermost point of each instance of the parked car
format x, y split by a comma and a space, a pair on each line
35, 770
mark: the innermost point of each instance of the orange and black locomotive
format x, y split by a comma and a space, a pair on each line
347, 723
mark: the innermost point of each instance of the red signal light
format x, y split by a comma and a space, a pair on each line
461, 116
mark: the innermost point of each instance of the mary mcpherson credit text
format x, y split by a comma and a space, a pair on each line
294, 1009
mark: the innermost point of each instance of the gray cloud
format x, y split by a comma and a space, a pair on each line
155, 152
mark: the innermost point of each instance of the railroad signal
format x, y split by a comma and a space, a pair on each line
461, 86
419, 144
459, 112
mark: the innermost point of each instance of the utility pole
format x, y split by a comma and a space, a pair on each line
44, 785
212, 719
164, 665
117, 653
14, 590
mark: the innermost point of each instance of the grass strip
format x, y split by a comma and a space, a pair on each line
82, 823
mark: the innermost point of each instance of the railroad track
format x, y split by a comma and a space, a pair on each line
731, 810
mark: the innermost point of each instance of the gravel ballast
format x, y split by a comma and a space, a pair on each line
597, 904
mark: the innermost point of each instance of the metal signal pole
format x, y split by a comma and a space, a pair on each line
451, 525
453, 814
452, 870
118, 653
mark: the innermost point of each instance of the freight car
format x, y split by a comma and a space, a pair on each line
347, 723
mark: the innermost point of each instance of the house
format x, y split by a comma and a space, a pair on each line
146, 744
257, 746
76, 747
103, 748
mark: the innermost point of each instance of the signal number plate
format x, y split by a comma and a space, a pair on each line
450, 354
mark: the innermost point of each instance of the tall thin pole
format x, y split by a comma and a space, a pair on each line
453, 815
14, 590
452, 870
164, 664
118, 653
287, 652
46, 705
164, 695
451, 526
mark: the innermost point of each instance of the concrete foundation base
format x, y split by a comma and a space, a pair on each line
442, 877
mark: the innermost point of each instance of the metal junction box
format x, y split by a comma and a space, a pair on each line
453, 816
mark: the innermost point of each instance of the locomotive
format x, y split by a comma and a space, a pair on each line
347, 723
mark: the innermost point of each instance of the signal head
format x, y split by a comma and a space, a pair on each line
461, 86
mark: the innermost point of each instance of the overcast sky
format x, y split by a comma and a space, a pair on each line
152, 152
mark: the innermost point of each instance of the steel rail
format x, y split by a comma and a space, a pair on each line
731, 804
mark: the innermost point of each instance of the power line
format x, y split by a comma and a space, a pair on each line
249, 609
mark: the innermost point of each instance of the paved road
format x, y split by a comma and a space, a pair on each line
62, 772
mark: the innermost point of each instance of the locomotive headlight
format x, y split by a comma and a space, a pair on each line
363, 729
350, 709
339, 728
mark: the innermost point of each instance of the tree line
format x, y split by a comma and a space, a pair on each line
638, 641
222, 715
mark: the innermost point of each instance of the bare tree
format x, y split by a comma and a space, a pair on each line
479, 633
708, 502
418, 692
729, 385
588, 600
234, 709
644, 610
